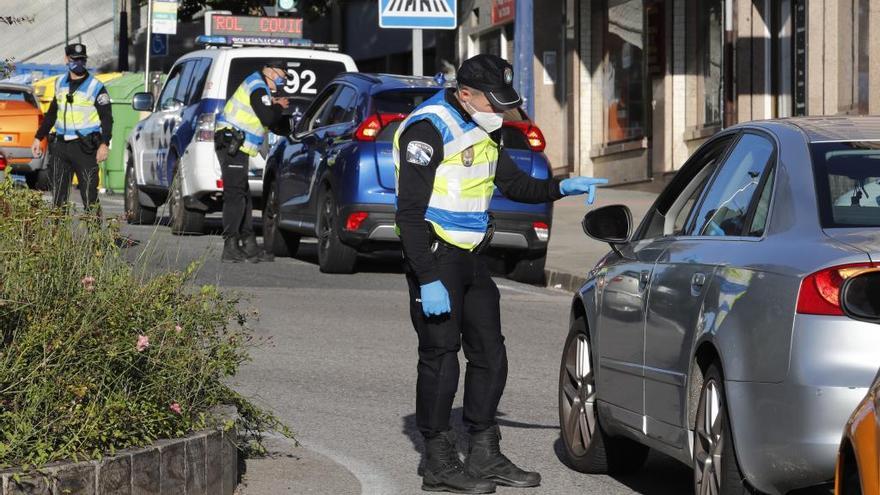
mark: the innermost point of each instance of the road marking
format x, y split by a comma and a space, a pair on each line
517, 289
372, 481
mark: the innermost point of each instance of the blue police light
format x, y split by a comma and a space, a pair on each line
212, 40
440, 79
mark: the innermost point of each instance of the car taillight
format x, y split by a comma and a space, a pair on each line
355, 219
542, 230
820, 291
2, 163
205, 127
373, 125
220, 184
533, 134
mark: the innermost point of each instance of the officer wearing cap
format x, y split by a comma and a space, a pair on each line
240, 131
448, 162
81, 123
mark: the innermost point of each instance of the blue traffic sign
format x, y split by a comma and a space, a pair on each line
159, 45
418, 14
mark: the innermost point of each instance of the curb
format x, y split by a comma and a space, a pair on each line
569, 282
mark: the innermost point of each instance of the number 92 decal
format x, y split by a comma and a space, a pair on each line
301, 82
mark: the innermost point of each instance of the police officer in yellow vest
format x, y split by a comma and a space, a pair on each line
81, 120
240, 131
448, 163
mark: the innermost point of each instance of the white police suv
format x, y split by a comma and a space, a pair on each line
170, 154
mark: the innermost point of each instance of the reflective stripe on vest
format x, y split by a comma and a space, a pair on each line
464, 180
79, 115
239, 114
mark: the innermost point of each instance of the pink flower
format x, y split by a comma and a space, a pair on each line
88, 283
175, 408
142, 343
178, 328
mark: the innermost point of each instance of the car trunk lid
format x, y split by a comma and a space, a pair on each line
864, 239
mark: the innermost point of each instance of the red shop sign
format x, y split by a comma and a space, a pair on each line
503, 11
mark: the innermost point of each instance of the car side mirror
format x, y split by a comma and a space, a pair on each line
611, 224
142, 102
860, 296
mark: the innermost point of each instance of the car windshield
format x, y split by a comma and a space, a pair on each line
17, 95
848, 183
305, 78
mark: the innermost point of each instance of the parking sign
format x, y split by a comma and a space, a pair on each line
418, 14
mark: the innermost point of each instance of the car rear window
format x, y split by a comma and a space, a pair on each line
305, 78
17, 95
398, 102
406, 101
847, 183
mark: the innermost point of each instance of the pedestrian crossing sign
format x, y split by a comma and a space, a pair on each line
418, 14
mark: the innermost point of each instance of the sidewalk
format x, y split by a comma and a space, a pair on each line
571, 253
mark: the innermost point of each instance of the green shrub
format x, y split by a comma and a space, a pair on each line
97, 355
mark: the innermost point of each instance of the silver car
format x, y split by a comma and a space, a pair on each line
735, 357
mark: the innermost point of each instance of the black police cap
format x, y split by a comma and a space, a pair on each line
493, 76
75, 50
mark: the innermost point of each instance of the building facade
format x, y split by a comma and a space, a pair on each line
657, 77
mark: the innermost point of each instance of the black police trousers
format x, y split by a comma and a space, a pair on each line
475, 324
237, 203
67, 158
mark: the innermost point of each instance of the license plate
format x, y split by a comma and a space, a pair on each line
6, 138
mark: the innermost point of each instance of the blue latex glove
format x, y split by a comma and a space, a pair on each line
435, 299
581, 185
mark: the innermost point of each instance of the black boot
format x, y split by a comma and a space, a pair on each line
486, 461
444, 472
254, 252
231, 252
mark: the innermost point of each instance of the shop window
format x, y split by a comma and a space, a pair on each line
622, 72
709, 52
490, 42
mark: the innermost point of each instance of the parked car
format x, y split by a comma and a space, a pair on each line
858, 461
334, 178
20, 117
170, 154
739, 360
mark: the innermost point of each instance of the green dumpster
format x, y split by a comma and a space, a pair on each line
121, 91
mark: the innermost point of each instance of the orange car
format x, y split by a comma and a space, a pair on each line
20, 116
858, 463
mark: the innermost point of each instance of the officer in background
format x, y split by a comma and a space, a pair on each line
81, 122
448, 161
240, 131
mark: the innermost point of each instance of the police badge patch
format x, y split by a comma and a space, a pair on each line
467, 156
419, 153
266, 100
103, 99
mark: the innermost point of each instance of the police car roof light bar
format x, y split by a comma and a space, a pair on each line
241, 41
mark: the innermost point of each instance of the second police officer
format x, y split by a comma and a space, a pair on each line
448, 161
240, 131
81, 123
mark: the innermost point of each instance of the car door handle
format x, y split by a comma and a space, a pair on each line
697, 283
644, 277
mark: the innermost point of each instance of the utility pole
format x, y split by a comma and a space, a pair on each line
147, 44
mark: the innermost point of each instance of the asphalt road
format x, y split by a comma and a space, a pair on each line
340, 367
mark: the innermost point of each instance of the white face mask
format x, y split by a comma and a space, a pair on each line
488, 121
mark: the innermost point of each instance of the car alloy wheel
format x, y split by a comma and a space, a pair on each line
709, 441
328, 217
579, 396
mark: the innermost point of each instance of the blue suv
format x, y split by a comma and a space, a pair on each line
333, 179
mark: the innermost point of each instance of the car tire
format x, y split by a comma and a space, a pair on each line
528, 270
135, 212
277, 240
713, 444
333, 255
183, 220
588, 447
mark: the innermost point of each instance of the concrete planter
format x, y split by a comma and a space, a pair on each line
203, 463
